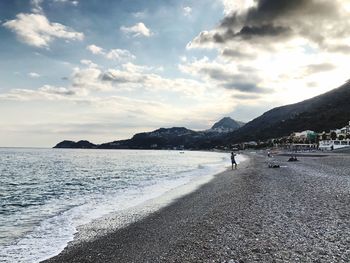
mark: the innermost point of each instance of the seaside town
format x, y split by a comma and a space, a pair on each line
305, 141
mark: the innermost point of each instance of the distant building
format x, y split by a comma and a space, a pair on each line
345, 130
328, 145
303, 136
335, 139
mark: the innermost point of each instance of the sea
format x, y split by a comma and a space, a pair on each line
47, 194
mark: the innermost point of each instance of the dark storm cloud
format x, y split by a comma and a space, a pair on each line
121, 77
243, 82
231, 53
248, 32
247, 87
272, 10
216, 73
271, 19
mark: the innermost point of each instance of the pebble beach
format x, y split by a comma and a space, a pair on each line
299, 212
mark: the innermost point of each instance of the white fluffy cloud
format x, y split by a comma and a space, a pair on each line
36, 6
113, 54
139, 29
36, 30
119, 54
46, 93
72, 2
34, 75
237, 5
187, 11
95, 49
88, 63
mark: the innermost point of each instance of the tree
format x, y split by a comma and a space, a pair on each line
324, 136
341, 137
333, 136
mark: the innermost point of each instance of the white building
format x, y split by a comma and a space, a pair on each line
333, 144
345, 130
337, 143
303, 134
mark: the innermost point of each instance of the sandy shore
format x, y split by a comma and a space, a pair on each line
297, 213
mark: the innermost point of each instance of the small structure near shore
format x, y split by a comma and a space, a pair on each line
328, 145
335, 139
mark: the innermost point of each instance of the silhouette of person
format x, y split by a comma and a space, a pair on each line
233, 160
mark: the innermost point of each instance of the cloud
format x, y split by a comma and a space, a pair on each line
119, 54
245, 86
75, 3
34, 75
113, 54
88, 79
139, 29
269, 20
140, 14
317, 68
187, 11
246, 96
237, 54
226, 76
88, 63
95, 49
46, 92
136, 77
132, 78
283, 51
238, 6
36, 6
36, 30
48, 89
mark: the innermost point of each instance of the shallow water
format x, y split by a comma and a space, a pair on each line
45, 194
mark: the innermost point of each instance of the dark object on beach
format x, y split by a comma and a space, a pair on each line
233, 160
293, 159
274, 165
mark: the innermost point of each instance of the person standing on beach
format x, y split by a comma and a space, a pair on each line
233, 160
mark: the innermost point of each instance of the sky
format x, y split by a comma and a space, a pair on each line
103, 70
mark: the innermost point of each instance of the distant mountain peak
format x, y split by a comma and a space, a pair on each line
226, 124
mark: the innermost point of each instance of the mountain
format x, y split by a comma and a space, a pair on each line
327, 111
158, 139
226, 124
80, 144
322, 113
166, 138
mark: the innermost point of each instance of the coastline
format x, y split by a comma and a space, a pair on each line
114, 221
297, 213
110, 222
